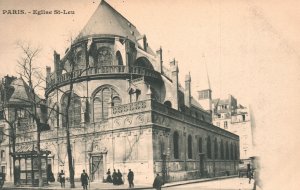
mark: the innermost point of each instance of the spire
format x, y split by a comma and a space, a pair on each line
207, 76
106, 21
204, 90
204, 83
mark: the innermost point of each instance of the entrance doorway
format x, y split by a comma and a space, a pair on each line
96, 167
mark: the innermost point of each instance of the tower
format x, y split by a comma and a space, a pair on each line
204, 98
204, 92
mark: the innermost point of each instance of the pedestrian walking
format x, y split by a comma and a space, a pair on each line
120, 180
108, 178
130, 178
62, 179
84, 178
250, 175
158, 182
115, 177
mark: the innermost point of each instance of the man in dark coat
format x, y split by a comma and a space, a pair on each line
130, 177
84, 180
62, 179
115, 177
158, 182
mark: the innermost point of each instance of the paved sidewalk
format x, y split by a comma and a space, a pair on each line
92, 186
99, 185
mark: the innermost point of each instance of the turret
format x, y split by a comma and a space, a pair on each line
187, 91
160, 59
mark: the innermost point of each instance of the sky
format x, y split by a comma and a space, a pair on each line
251, 50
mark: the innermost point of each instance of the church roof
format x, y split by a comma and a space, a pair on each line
107, 21
195, 103
20, 92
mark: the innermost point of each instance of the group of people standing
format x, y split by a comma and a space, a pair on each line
116, 178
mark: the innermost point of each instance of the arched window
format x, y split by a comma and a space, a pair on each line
190, 147
216, 148
176, 145
227, 151
208, 147
104, 56
119, 58
74, 111
116, 101
101, 100
79, 57
168, 104
200, 145
162, 148
222, 150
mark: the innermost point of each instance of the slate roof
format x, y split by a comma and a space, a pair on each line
107, 21
17, 91
218, 101
21, 92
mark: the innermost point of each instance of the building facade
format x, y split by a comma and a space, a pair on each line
18, 127
233, 117
126, 110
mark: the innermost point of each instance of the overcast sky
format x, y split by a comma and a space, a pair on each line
251, 49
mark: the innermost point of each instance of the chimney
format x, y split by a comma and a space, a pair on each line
56, 57
174, 77
187, 90
160, 57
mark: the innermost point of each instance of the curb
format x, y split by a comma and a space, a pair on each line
198, 181
137, 188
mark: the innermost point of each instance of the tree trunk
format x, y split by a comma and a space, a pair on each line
70, 159
13, 142
39, 153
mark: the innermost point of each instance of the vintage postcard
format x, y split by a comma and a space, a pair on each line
129, 94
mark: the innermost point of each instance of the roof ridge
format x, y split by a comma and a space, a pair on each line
106, 20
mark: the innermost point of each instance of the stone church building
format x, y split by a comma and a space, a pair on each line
129, 111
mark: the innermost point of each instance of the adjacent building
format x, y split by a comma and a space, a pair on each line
231, 116
127, 110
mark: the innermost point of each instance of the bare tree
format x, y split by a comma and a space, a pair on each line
31, 74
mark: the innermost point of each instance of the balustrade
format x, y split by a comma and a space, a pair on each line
103, 70
130, 108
